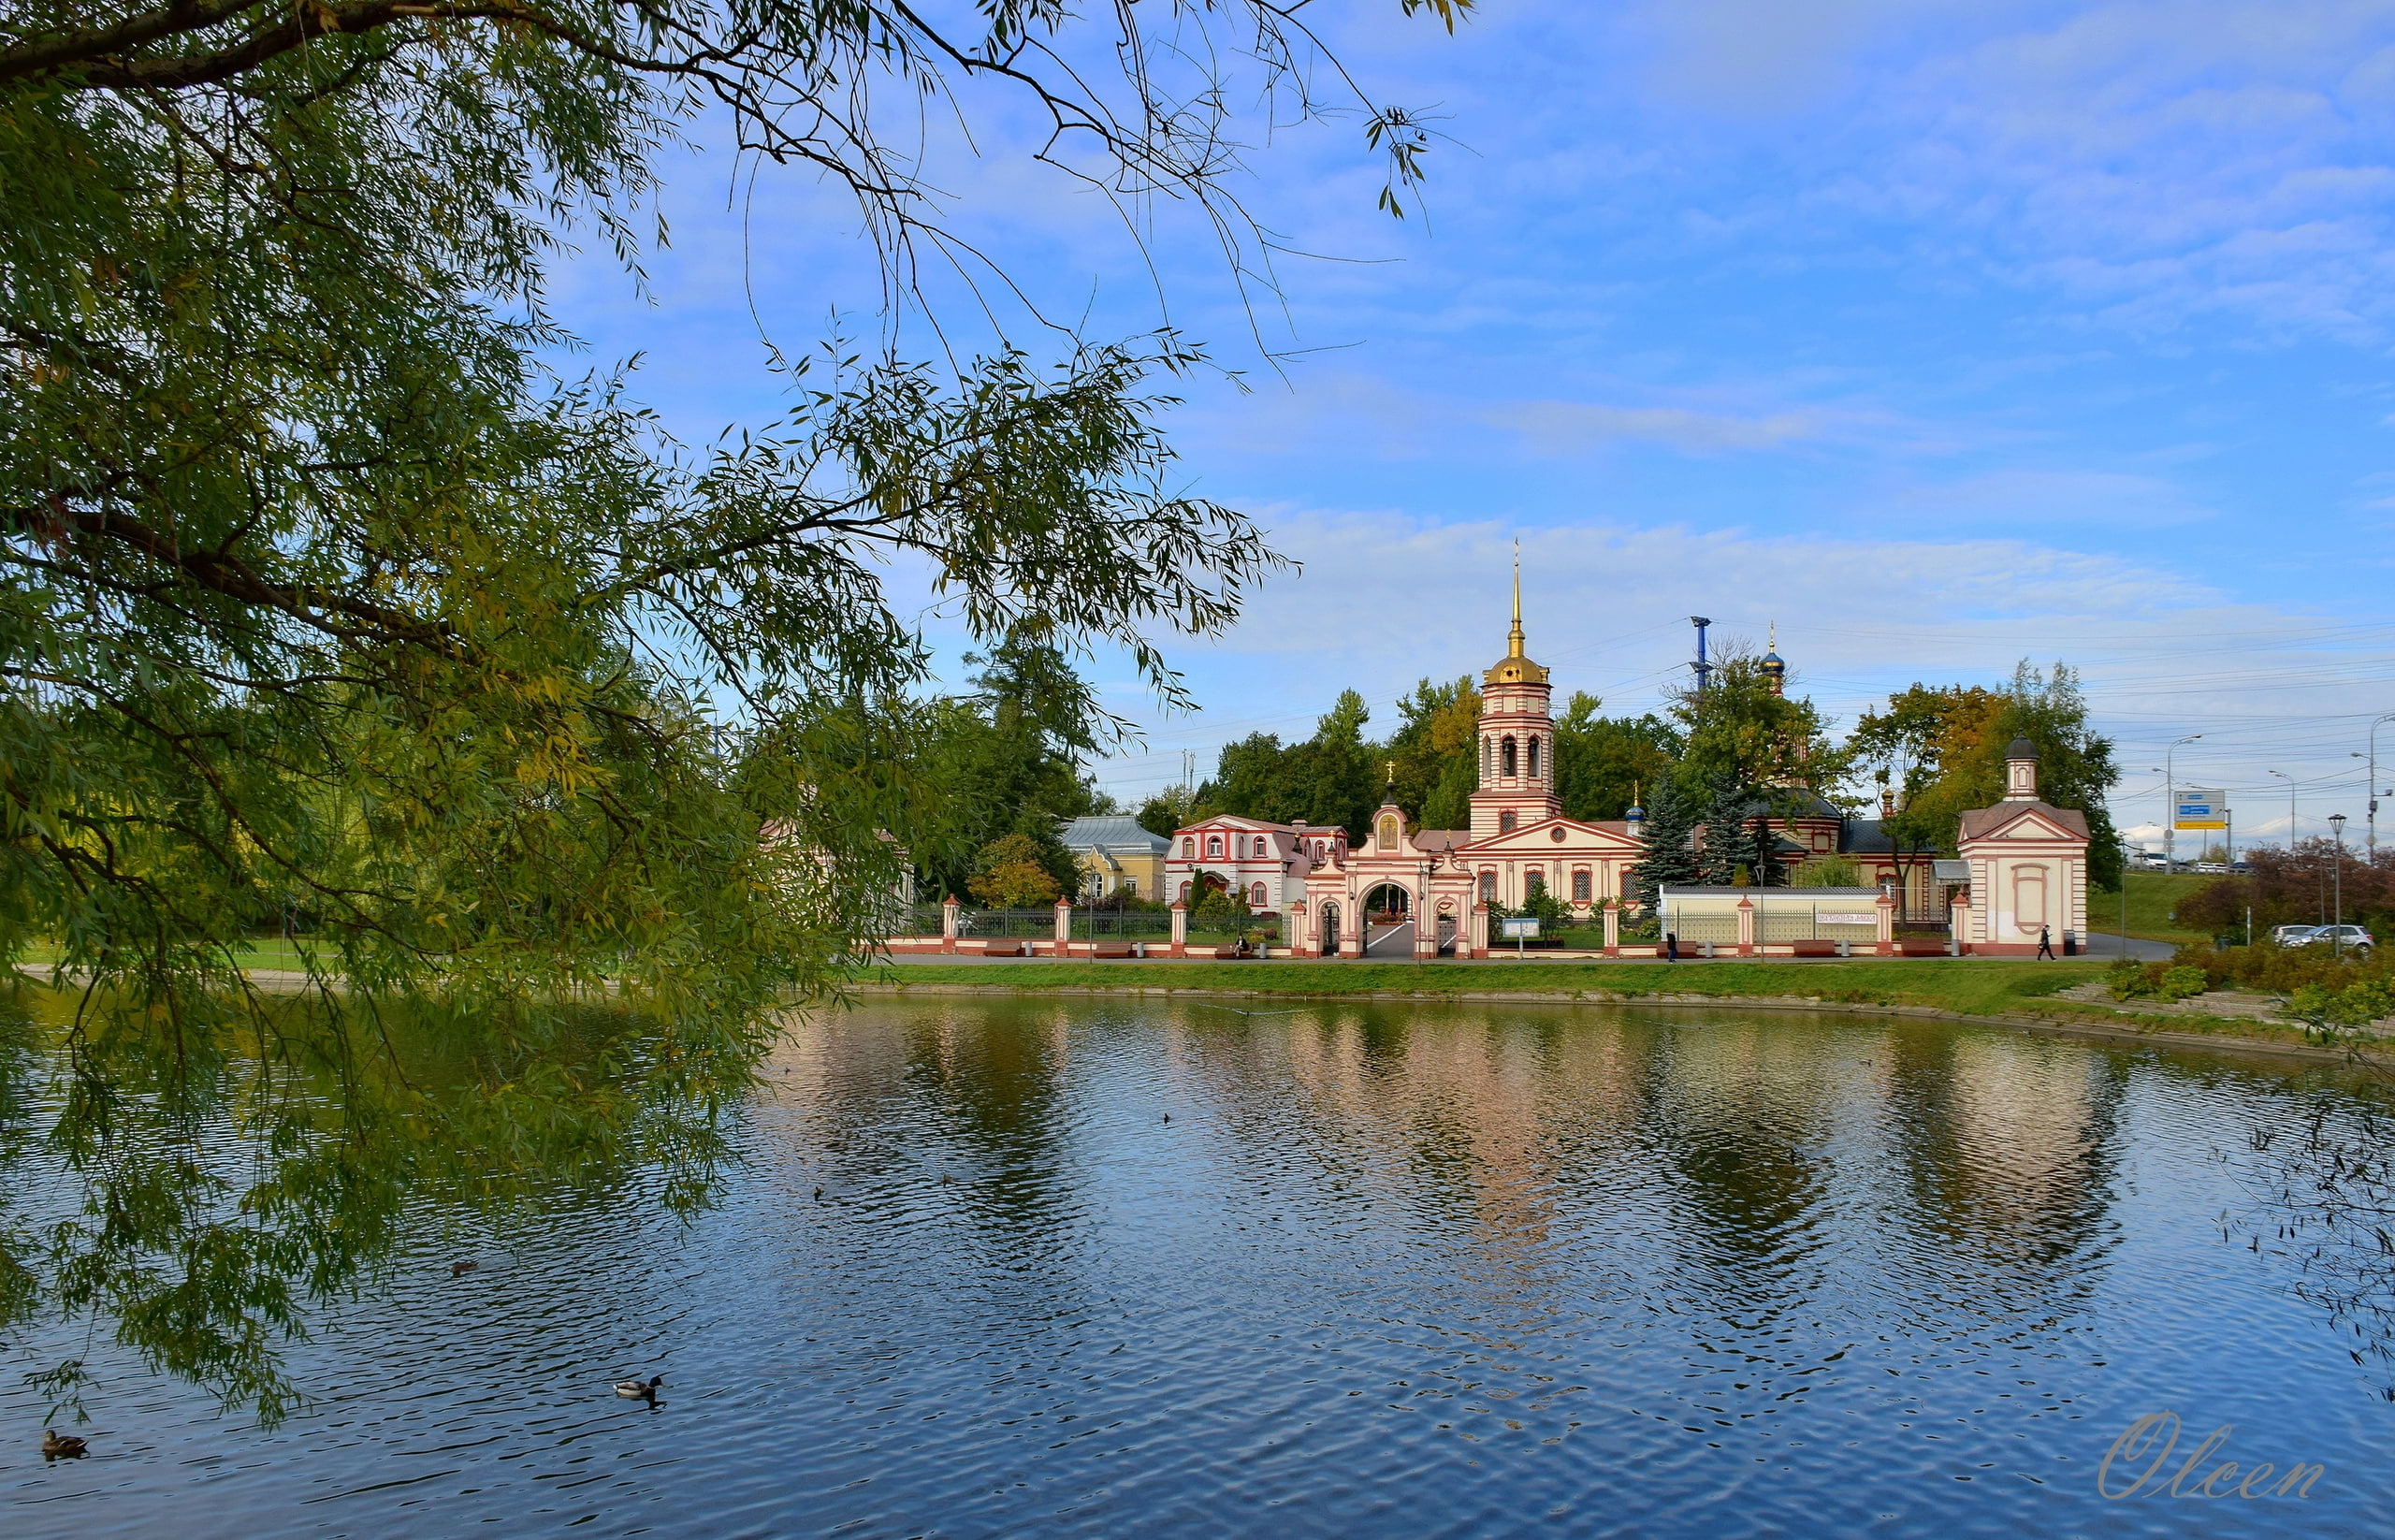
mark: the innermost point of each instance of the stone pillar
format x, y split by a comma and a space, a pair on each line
1064, 927
1479, 930
948, 915
1887, 909
1293, 931
1352, 926
1613, 928
1180, 929
1745, 927
1960, 919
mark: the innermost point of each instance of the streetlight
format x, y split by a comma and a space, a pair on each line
2170, 803
2290, 808
2373, 836
2337, 935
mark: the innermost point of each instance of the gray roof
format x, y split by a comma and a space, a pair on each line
1870, 836
1111, 831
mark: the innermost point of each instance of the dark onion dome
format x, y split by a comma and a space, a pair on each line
2021, 748
1775, 666
1635, 815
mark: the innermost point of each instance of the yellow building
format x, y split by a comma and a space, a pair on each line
1116, 856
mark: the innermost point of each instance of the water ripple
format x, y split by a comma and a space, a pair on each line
1103, 1269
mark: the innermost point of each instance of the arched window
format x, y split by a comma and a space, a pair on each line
1533, 758
1213, 847
1184, 892
1505, 762
1255, 897
1321, 852
1535, 882
1487, 887
1505, 822
1580, 893
1486, 750
1189, 848
1263, 848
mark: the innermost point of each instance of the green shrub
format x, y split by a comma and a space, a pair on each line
2125, 980
2327, 1013
2181, 983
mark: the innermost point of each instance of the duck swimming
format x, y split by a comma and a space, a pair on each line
58, 1445
637, 1390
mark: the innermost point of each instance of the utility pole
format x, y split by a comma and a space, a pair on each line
2170, 797
2290, 808
2124, 897
1704, 668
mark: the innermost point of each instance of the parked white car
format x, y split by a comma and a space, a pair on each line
2290, 936
2343, 937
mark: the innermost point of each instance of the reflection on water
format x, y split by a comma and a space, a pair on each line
1111, 1268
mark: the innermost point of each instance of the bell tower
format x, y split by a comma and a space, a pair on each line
1517, 785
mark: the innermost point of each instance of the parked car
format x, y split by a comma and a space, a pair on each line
2290, 936
2343, 937
2212, 868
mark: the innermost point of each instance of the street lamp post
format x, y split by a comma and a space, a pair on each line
2337, 935
2369, 838
2290, 808
2170, 804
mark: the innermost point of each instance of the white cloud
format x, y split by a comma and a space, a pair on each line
1387, 598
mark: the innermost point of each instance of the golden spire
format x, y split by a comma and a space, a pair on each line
1514, 637
1516, 667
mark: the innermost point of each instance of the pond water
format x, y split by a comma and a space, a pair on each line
1121, 1267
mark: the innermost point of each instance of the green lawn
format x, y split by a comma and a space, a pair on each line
270, 952
1975, 985
2151, 895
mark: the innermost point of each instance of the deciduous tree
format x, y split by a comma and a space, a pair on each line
319, 590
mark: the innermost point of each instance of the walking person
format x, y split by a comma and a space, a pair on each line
2045, 944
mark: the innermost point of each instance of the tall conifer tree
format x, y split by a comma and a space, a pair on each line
1671, 850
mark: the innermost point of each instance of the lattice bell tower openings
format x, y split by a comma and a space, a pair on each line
1516, 736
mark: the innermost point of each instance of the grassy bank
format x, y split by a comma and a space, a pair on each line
1972, 985
2151, 896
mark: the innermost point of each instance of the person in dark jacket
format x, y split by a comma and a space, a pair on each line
2045, 943
1672, 947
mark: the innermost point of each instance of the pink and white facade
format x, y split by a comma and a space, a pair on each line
2028, 862
1519, 842
2027, 859
1264, 862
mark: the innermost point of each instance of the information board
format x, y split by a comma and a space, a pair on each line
2201, 809
1519, 929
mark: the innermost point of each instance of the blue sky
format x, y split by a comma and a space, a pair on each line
1939, 334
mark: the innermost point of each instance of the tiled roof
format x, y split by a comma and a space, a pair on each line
1112, 831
